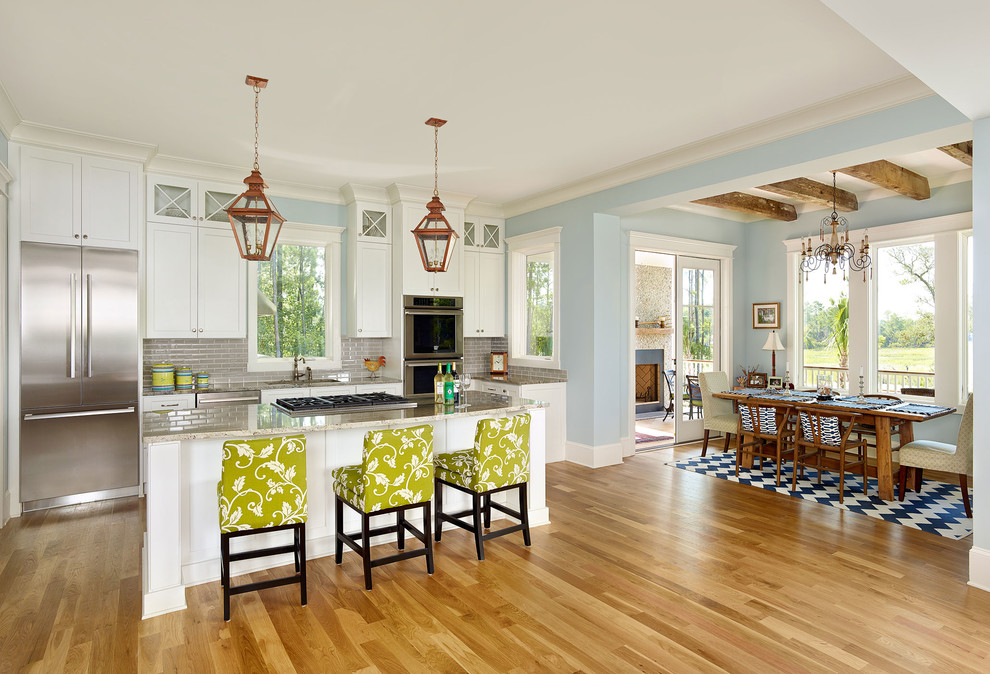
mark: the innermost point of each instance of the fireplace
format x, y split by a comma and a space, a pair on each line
649, 381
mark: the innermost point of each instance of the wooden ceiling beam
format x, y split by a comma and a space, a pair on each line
748, 203
961, 151
891, 177
814, 192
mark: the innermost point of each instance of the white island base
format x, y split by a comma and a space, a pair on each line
182, 537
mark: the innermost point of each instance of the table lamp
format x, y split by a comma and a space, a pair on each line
773, 345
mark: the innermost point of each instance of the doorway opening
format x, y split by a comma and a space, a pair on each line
654, 350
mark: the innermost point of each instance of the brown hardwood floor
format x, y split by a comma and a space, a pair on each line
645, 567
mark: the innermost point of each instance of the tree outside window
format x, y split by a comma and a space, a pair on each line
539, 304
294, 281
906, 316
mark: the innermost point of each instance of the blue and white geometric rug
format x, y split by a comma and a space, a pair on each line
937, 509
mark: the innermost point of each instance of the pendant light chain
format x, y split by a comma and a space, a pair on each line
257, 91
436, 160
835, 214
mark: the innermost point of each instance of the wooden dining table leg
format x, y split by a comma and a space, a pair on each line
885, 478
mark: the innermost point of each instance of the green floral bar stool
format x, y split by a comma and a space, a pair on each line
262, 488
498, 461
395, 475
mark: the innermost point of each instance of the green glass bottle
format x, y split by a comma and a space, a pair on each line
448, 387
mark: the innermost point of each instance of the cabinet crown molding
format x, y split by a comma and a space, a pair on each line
41, 135
483, 209
366, 193
420, 195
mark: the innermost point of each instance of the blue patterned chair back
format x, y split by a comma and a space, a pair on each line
766, 419
821, 429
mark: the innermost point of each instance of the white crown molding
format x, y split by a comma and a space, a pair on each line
77, 141
420, 195
856, 104
203, 170
9, 116
366, 193
483, 209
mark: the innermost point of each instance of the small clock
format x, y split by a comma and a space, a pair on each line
500, 362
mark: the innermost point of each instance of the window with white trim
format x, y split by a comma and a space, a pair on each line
294, 301
534, 300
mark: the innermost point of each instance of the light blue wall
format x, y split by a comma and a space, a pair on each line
587, 281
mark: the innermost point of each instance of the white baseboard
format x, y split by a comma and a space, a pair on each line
12, 505
628, 446
979, 568
5, 509
594, 457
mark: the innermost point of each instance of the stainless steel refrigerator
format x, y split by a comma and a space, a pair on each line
79, 374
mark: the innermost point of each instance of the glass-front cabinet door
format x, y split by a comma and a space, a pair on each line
214, 199
374, 224
696, 336
172, 200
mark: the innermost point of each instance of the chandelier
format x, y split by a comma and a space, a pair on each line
255, 220
838, 252
434, 235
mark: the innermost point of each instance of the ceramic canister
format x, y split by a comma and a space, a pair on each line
162, 377
183, 379
202, 380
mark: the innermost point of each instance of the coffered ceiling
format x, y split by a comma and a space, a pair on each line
537, 94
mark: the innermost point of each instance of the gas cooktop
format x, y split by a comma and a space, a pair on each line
363, 402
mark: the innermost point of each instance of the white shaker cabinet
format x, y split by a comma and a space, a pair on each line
77, 200
369, 260
184, 201
196, 283
484, 294
415, 279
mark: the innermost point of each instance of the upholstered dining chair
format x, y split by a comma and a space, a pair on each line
825, 433
769, 435
262, 488
719, 415
941, 456
499, 461
395, 475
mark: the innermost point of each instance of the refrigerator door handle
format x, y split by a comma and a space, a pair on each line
88, 413
89, 325
72, 326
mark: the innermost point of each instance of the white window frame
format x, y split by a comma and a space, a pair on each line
301, 234
948, 233
519, 247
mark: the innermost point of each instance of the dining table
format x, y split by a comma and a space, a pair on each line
881, 413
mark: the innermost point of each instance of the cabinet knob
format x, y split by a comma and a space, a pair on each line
201, 218
76, 235
194, 330
201, 329
85, 236
360, 330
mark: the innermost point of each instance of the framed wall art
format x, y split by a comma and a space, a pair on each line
767, 316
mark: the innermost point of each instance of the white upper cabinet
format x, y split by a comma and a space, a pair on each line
184, 201
369, 262
78, 200
415, 279
483, 233
484, 294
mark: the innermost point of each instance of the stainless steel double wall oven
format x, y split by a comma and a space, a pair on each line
433, 334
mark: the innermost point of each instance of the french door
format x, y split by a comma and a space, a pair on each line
696, 339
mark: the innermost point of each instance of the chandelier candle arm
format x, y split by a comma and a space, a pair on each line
837, 252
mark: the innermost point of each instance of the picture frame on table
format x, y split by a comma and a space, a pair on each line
775, 382
757, 380
766, 316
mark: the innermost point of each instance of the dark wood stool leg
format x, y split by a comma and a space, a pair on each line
704, 443
301, 534
524, 511
902, 482
400, 526
295, 547
438, 508
918, 472
488, 511
964, 485
338, 517
479, 543
225, 574
366, 548
427, 536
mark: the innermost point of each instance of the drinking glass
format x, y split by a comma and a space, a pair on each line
465, 385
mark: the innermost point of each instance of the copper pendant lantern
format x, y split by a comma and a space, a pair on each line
253, 217
434, 235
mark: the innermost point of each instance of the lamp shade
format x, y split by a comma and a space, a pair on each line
773, 342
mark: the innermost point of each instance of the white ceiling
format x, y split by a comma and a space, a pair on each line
538, 94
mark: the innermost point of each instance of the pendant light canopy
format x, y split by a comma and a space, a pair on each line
434, 235
253, 217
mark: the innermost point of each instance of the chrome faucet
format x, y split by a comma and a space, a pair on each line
296, 374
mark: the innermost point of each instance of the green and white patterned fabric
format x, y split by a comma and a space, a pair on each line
262, 483
499, 458
931, 455
396, 470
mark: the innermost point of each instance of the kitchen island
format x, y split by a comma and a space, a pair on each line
183, 456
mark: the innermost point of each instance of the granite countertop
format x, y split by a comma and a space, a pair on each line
264, 386
226, 421
515, 379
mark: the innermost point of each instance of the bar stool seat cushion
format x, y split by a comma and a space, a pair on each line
396, 470
499, 458
263, 483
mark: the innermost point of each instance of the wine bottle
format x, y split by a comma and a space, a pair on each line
457, 385
448, 387
438, 384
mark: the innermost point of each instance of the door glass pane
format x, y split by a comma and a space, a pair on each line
826, 333
491, 236
214, 204
373, 224
906, 318
539, 304
698, 334
292, 302
172, 201
469, 234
